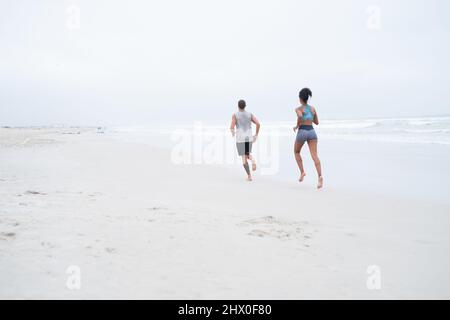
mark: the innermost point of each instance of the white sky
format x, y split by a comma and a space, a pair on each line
138, 62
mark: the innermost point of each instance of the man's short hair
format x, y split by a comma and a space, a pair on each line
242, 104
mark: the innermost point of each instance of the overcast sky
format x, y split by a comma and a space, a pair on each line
141, 62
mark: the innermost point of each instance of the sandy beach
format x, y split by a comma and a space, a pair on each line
138, 226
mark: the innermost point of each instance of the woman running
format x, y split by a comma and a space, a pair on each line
306, 116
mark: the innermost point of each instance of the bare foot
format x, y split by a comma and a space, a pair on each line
254, 166
320, 184
302, 177
249, 178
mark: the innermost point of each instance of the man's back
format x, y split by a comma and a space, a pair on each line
244, 126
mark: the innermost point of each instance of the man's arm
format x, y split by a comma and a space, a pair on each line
258, 126
233, 125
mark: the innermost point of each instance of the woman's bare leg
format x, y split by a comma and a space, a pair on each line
312, 144
297, 148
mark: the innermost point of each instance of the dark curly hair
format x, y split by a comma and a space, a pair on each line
305, 94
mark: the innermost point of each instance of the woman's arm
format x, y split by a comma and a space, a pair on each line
299, 114
233, 125
316, 117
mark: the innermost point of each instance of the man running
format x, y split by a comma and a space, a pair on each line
242, 120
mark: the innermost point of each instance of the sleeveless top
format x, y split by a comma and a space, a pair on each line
307, 114
243, 126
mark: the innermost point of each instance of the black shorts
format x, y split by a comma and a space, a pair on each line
244, 148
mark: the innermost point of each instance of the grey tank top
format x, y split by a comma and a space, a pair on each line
244, 126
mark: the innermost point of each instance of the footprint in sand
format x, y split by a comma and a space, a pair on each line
94, 194
31, 192
110, 250
263, 220
161, 211
47, 245
272, 227
7, 235
259, 233
156, 208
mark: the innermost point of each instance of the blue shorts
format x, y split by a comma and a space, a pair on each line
305, 133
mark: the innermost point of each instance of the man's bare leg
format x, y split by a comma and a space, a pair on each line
246, 167
250, 157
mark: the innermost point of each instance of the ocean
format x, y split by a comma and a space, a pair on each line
406, 157
426, 130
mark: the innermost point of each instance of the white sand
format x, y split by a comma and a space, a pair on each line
139, 227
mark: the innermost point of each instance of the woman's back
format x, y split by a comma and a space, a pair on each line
306, 113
